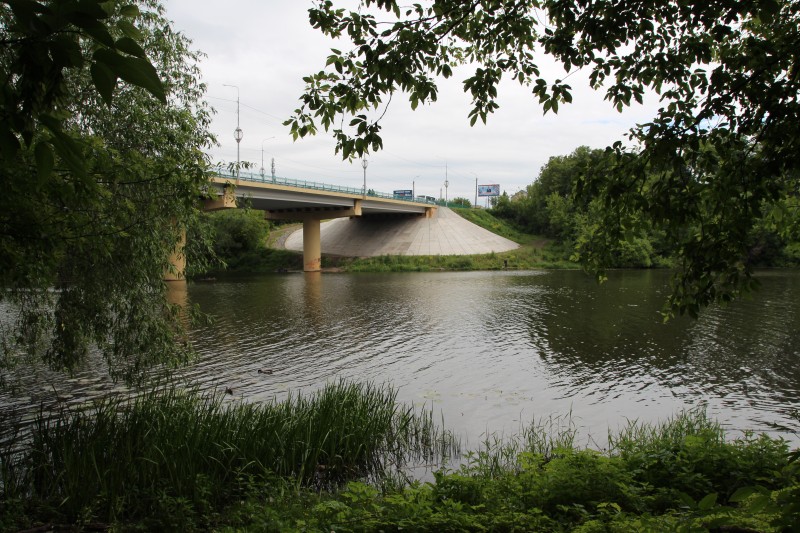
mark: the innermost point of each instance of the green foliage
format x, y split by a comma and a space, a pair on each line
720, 153
99, 179
564, 489
176, 460
237, 232
175, 456
691, 452
460, 201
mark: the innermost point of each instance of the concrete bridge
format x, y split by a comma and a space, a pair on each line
309, 202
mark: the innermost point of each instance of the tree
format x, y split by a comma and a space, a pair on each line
102, 134
723, 148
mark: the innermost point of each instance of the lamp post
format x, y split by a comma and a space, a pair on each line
237, 133
364, 164
476, 189
262, 155
446, 183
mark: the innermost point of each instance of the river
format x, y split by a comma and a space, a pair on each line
492, 350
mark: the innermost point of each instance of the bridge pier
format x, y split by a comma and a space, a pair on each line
178, 260
312, 245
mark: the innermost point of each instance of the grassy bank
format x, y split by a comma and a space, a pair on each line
324, 462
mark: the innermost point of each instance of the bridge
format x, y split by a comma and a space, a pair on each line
309, 202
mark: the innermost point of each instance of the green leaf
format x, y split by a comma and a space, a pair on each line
66, 147
24, 11
134, 70
93, 27
707, 502
130, 11
44, 161
742, 494
104, 81
129, 29
9, 144
129, 46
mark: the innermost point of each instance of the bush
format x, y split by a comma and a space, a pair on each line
237, 232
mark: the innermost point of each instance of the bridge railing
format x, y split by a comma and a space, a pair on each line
314, 185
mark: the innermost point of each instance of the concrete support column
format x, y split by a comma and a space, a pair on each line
312, 247
178, 260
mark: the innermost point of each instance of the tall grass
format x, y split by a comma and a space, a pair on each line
185, 453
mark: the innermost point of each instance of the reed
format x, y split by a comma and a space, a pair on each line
186, 453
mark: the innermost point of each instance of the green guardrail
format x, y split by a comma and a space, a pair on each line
314, 185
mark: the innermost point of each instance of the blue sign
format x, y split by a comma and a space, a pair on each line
404, 194
489, 190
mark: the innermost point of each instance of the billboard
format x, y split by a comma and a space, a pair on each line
489, 190
404, 194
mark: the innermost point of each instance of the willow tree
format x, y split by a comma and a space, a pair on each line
102, 135
720, 153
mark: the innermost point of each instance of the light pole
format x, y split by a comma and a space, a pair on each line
446, 183
414, 187
237, 133
476, 189
364, 164
262, 155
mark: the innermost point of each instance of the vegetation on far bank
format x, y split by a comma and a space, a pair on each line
336, 460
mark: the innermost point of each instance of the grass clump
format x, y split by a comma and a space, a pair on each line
181, 457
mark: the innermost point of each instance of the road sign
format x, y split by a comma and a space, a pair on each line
404, 194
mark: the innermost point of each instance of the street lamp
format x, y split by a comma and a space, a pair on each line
364, 164
237, 133
262, 155
446, 183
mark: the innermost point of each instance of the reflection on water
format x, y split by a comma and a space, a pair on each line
493, 350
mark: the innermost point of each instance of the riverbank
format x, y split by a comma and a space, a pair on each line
334, 461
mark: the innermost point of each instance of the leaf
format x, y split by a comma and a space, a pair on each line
104, 81
742, 494
9, 144
129, 29
134, 70
93, 27
130, 11
707, 502
66, 147
24, 11
44, 160
129, 46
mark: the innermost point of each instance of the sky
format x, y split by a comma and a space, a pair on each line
265, 48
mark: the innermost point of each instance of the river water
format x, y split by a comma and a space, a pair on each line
493, 350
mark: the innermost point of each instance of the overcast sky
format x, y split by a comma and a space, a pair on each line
266, 47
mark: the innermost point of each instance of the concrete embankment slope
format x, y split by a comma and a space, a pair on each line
444, 234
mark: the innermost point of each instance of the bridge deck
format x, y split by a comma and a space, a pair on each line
284, 194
